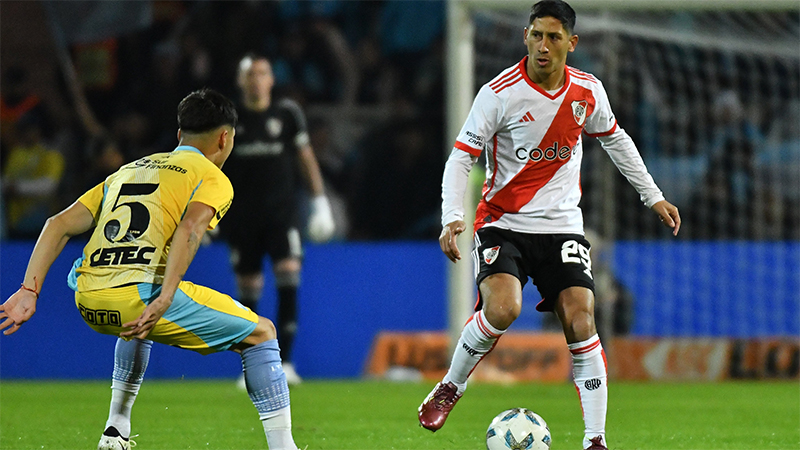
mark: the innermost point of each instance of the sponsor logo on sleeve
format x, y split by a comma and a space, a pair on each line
475, 139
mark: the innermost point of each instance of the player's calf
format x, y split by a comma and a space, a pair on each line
269, 392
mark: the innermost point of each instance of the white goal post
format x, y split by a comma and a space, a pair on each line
594, 16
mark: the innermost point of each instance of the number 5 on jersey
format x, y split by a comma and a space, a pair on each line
140, 216
574, 252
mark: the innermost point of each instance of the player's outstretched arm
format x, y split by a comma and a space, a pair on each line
21, 306
448, 238
185, 242
668, 213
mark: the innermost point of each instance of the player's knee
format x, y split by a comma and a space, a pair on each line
264, 331
575, 307
582, 326
501, 314
502, 298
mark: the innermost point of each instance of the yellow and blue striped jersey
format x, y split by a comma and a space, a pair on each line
136, 211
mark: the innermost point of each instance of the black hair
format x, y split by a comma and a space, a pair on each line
557, 9
204, 110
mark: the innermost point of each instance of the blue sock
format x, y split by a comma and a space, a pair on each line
130, 363
266, 382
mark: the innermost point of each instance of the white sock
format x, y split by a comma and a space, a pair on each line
278, 428
477, 339
591, 378
119, 414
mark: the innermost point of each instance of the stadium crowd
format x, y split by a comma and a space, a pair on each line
370, 78
368, 74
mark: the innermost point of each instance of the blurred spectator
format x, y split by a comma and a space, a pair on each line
96, 65
399, 173
310, 72
195, 65
165, 90
377, 80
724, 204
133, 135
408, 31
17, 100
778, 176
31, 176
104, 158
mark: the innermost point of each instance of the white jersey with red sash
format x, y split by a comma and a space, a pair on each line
533, 144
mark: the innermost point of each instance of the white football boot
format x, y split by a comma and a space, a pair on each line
115, 442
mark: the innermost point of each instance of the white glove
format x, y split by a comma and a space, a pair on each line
320, 222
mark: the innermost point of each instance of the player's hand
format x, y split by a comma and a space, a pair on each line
668, 214
141, 326
320, 223
17, 310
447, 239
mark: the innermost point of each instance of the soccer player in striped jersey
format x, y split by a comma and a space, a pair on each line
150, 217
529, 120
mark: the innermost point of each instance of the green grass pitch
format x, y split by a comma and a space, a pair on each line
376, 415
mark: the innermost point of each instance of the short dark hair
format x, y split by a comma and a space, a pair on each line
554, 8
204, 110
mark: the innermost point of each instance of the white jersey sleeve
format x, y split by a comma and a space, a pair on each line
482, 122
626, 157
601, 122
454, 185
480, 126
602, 125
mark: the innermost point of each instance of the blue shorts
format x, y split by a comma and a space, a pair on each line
199, 318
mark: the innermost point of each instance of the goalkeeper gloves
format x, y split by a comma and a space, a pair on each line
320, 222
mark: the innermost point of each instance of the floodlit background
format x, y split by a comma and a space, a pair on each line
709, 91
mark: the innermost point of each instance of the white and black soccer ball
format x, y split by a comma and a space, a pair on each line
518, 429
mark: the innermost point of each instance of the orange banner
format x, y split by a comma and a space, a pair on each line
517, 357
692, 359
544, 357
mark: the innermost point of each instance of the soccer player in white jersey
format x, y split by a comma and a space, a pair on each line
149, 218
529, 120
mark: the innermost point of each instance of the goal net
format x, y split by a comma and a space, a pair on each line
710, 92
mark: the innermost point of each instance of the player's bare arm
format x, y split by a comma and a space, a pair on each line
185, 242
448, 238
668, 213
58, 229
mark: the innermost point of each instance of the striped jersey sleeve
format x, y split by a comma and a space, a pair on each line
601, 122
482, 122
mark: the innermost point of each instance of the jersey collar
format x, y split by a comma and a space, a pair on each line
187, 148
523, 67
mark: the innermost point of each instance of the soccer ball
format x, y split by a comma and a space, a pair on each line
518, 429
